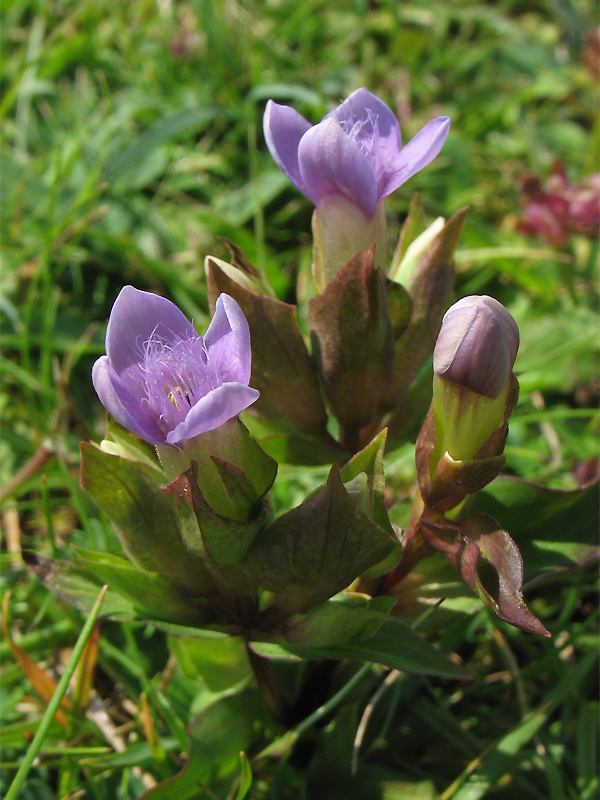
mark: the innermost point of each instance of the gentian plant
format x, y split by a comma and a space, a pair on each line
186, 483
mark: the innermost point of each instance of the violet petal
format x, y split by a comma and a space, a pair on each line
211, 411
134, 317
284, 127
415, 155
121, 404
227, 342
332, 163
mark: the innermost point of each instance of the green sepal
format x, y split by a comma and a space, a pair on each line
353, 342
413, 226
429, 287
221, 539
232, 470
370, 461
317, 549
146, 521
121, 442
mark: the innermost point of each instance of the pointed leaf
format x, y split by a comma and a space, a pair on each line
354, 342
317, 549
282, 369
394, 644
477, 542
334, 623
134, 594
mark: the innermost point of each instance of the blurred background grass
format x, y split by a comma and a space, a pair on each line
132, 141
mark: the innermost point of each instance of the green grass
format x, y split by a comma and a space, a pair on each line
132, 141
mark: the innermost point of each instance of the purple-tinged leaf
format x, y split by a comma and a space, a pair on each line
317, 549
282, 369
354, 344
490, 563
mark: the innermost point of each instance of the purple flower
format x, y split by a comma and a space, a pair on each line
355, 151
477, 345
163, 381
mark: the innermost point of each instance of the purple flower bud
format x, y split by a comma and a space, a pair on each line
163, 381
477, 345
355, 151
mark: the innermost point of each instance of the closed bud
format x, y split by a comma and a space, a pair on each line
477, 346
459, 449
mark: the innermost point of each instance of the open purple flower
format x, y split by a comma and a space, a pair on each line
163, 381
355, 151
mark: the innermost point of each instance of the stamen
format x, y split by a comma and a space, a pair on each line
176, 374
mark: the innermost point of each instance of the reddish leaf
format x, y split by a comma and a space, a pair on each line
473, 543
282, 369
354, 342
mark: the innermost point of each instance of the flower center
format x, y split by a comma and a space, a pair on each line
364, 132
176, 375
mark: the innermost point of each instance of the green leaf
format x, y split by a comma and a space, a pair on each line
245, 777
337, 621
316, 549
394, 645
217, 737
146, 520
220, 663
133, 593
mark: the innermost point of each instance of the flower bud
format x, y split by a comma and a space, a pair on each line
473, 388
477, 345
